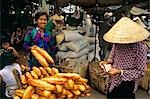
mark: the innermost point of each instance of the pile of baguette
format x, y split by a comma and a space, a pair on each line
47, 83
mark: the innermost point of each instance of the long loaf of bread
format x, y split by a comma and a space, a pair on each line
41, 83
55, 80
45, 54
28, 92
40, 58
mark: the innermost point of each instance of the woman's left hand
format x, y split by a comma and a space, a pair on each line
114, 71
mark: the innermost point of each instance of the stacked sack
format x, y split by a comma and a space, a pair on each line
73, 50
76, 46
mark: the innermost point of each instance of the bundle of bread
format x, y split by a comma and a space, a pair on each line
24, 68
48, 83
42, 56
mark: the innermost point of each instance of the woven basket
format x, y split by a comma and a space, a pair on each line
99, 79
79, 68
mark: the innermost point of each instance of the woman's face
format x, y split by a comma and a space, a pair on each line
5, 45
42, 21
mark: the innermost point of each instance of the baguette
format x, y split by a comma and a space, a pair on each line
41, 97
41, 83
76, 92
70, 83
35, 96
16, 97
59, 88
49, 70
23, 79
55, 80
40, 58
44, 93
45, 54
23, 67
28, 75
19, 92
28, 92
81, 81
53, 96
55, 70
69, 94
81, 87
37, 71
43, 70
34, 75
68, 75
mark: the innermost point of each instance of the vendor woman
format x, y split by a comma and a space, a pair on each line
127, 58
40, 37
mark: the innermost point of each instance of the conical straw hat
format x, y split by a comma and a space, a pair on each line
56, 17
59, 38
126, 31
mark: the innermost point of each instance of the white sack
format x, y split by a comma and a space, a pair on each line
72, 54
77, 45
63, 47
91, 40
72, 35
61, 54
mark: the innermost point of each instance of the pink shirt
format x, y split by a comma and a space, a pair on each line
131, 58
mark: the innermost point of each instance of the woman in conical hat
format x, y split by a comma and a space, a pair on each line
127, 58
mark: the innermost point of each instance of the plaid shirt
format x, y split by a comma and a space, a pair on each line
132, 59
45, 41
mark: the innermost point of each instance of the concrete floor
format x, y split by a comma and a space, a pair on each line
141, 94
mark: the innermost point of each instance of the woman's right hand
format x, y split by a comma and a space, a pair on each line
102, 63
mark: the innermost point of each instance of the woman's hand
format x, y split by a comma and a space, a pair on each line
102, 63
114, 71
10, 48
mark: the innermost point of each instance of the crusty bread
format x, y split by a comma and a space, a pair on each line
41, 83
16, 97
68, 75
35, 96
23, 79
28, 75
40, 58
35, 76
44, 93
45, 54
19, 92
28, 92
37, 71
55, 80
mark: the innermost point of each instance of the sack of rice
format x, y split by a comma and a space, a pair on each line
77, 45
72, 54
91, 40
61, 54
72, 35
63, 47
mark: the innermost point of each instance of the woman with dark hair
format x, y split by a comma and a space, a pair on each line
40, 37
17, 38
